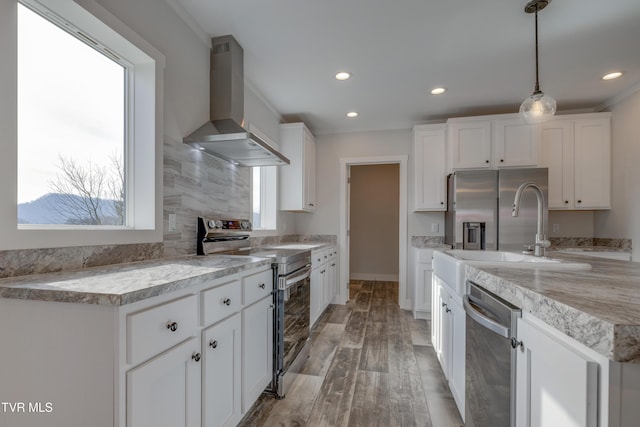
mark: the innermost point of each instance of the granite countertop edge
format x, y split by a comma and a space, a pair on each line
40, 287
617, 341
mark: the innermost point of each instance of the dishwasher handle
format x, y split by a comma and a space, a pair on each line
483, 320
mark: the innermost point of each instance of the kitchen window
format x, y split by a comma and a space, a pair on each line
83, 146
264, 197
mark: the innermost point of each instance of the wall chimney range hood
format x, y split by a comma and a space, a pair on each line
225, 136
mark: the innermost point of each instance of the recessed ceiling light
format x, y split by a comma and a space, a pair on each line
353, 114
438, 91
612, 76
343, 75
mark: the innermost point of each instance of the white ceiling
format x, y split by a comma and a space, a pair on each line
397, 50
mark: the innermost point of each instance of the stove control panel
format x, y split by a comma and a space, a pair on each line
229, 225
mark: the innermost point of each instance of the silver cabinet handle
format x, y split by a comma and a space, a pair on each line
227, 301
196, 357
213, 343
447, 310
172, 326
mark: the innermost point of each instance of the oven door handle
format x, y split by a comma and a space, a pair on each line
285, 282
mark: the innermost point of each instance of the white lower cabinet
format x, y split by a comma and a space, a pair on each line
422, 286
257, 350
221, 373
324, 280
448, 337
556, 384
165, 391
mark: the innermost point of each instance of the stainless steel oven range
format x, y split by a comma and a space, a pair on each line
291, 292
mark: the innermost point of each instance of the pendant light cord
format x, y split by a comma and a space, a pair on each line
537, 88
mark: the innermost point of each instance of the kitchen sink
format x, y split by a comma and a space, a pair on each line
449, 265
302, 246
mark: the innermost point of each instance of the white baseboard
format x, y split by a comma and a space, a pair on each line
374, 277
423, 315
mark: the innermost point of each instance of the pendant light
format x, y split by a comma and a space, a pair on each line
538, 107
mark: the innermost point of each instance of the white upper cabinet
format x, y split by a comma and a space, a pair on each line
298, 179
515, 143
592, 167
492, 142
430, 192
577, 151
470, 143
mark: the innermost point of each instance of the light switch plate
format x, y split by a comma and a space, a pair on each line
556, 228
435, 227
172, 222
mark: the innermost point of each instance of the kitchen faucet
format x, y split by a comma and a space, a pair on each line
541, 241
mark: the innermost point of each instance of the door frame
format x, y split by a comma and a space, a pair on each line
343, 244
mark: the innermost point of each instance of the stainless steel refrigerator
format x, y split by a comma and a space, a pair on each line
480, 204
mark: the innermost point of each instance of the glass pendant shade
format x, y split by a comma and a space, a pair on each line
537, 108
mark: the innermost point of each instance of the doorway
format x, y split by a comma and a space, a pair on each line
374, 216
400, 243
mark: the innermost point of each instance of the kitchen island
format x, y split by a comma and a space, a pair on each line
579, 358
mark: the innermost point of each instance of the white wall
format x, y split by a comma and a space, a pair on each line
623, 220
329, 150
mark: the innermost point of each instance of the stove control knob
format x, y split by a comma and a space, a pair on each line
217, 224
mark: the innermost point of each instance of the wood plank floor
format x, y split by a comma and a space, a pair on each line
371, 364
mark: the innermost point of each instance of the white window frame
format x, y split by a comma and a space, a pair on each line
268, 191
268, 198
144, 131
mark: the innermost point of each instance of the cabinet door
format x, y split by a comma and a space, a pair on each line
221, 370
458, 347
592, 163
430, 168
556, 385
556, 154
309, 172
436, 315
257, 350
316, 294
470, 144
423, 287
165, 391
446, 330
515, 143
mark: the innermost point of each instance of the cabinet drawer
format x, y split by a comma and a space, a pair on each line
152, 331
220, 302
257, 286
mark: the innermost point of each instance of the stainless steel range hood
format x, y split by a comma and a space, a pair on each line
225, 136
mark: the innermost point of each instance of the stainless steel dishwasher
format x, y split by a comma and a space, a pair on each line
490, 360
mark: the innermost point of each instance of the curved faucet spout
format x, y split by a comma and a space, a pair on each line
541, 240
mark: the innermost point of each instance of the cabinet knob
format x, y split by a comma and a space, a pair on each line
486, 161
447, 309
261, 286
442, 203
196, 357
566, 202
501, 160
172, 326
311, 204
227, 301
213, 343
515, 343
579, 201
444, 304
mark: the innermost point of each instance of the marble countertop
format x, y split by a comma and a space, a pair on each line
122, 284
599, 308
